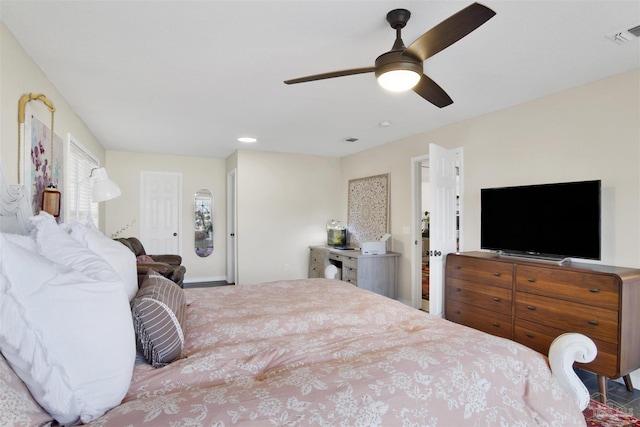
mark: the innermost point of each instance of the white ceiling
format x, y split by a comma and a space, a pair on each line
189, 77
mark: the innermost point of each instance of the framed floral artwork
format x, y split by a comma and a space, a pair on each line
43, 161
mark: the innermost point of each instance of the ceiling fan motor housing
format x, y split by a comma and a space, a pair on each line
395, 60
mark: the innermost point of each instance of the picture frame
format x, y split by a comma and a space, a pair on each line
43, 162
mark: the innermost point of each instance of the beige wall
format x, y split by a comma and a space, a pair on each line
19, 75
197, 173
284, 202
394, 159
589, 132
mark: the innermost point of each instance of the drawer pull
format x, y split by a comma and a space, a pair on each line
456, 311
531, 280
457, 267
530, 307
594, 322
496, 299
497, 274
530, 335
496, 324
458, 289
594, 290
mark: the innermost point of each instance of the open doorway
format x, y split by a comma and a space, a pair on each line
424, 227
436, 209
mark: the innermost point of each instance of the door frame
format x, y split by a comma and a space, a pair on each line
416, 221
232, 229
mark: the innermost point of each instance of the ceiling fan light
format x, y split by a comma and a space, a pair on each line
398, 80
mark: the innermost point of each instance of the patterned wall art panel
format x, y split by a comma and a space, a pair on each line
368, 215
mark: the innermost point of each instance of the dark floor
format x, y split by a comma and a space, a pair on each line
619, 397
206, 284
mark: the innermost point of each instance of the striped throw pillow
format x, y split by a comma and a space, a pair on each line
159, 314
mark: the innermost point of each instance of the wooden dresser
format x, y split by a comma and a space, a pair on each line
376, 273
532, 302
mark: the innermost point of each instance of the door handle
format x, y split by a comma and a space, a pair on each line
435, 253
175, 234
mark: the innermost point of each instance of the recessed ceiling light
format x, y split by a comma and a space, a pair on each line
385, 124
247, 139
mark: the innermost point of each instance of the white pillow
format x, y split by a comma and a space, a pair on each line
68, 336
115, 253
55, 244
27, 242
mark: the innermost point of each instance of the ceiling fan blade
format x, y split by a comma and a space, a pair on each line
331, 75
450, 31
432, 92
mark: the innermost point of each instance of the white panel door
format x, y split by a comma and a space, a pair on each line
161, 195
442, 230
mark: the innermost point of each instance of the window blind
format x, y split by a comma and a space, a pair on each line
81, 163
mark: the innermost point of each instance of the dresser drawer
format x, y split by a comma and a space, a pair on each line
335, 257
354, 282
350, 274
350, 262
539, 338
480, 271
317, 259
488, 297
347, 261
586, 288
479, 318
595, 322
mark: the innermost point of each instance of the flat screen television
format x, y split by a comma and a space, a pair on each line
556, 221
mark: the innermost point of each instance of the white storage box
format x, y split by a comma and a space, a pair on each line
374, 248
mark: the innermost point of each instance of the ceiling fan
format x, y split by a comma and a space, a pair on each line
402, 67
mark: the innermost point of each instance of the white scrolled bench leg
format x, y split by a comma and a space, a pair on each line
564, 351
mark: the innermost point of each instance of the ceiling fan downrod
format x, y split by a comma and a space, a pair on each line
397, 19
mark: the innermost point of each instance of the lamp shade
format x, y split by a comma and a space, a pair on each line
398, 72
103, 187
398, 80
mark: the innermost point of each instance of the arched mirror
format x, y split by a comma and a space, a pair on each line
203, 208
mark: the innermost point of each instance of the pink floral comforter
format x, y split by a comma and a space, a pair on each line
322, 352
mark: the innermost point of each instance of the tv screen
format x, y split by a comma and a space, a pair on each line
550, 220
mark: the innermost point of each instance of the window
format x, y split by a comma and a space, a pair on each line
81, 163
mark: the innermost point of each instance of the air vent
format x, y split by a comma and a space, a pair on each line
626, 35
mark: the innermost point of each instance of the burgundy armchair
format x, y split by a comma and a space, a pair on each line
169, 266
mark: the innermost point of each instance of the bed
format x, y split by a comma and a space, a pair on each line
316, 352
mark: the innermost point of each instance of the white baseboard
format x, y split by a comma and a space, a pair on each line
635, 379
